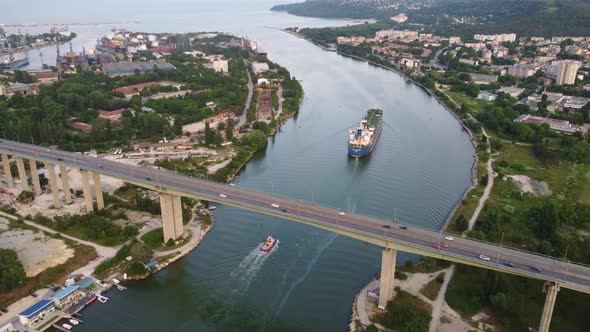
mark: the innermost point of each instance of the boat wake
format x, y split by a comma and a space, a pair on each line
308, 268
249, 267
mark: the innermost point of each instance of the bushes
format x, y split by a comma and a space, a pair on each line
96, 227
405, 313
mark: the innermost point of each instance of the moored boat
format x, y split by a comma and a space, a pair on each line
92, 299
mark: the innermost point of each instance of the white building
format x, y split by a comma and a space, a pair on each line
454, 40
521, 71
567, 70
396, 34
505, 37
400, 18
410, 63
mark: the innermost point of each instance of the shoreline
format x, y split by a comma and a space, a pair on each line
31, 48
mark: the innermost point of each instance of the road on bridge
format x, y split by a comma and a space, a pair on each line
366, 228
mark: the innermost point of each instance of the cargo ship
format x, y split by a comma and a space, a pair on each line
363, 138
268, 244
11, 63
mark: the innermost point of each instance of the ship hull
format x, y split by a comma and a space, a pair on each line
267, 248
365, 150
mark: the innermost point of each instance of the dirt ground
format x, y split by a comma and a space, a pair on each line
36, 251
530, 186
451, 321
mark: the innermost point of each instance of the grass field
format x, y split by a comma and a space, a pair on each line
433, 287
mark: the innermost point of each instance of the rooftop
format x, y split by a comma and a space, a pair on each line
65, 292
130, 67
36, 308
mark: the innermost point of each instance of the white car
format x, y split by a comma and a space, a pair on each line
342, 213
275, 205
484, 258
449, 238
232, 184
223, 195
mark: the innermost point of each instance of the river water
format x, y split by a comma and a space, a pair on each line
420, 167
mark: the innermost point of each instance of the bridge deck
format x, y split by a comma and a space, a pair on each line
365, 228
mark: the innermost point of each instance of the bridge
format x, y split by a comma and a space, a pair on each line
386, 234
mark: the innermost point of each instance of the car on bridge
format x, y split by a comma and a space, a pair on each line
536, 269
275, 205
437, 246
223, 195
449, 238
484, 258
444, 245
342, 213
508, 264
386, 226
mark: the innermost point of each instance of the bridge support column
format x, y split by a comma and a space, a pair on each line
66, 184
86, 191
22, 174
388, 258
53, 185
98, 191
551, 288
7, 171
171, 207
35, 177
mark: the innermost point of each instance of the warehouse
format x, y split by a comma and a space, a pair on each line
128, 68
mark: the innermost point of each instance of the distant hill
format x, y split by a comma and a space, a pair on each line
524, 17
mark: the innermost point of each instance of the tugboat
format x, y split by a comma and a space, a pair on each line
268, 244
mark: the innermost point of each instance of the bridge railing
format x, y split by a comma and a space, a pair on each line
381, 218
107, 172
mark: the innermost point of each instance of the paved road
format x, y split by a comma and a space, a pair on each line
488, 189
244, 115
410, 238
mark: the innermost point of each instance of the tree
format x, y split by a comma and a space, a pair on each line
209, 134
461, 223
472, 90
12, 272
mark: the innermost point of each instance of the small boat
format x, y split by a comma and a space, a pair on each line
116, 281
67, 326
268, 244
102, 299
91, 300
74, 322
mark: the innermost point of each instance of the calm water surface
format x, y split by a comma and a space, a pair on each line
421, 166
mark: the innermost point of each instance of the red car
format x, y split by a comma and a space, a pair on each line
436, 246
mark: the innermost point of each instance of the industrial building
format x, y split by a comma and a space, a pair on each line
128, 68
560, 126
